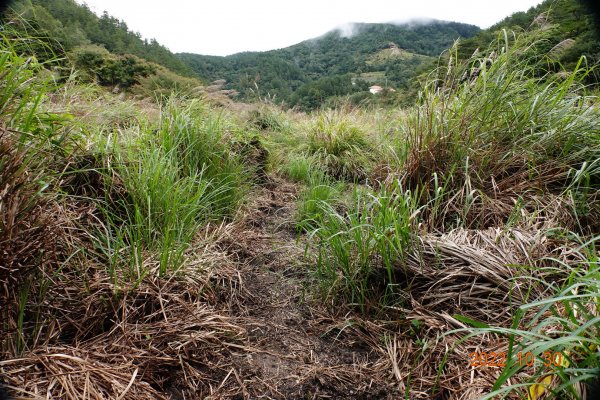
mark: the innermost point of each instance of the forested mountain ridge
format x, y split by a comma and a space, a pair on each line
282, 72
72, 25
306, 74
101, 48
310, 74
313, 72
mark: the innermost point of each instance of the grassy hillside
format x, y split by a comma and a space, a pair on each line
166, 247
281, 73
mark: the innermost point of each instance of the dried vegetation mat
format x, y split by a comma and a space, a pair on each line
464, 279
240, 319
235, 321
161, 338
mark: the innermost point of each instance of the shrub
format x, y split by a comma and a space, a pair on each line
267, 118
110, 70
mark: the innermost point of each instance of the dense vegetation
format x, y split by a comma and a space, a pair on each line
74, 25
299, 75
176, 246
102, 49
574, 32
309, 66
315, 73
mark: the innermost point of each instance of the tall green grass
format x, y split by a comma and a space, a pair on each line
175, 178
361, 250
303, 168
31, 148
341, 147
316, 202
498, 126
199, 138
24, 84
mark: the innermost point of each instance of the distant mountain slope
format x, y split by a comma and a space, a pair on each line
392, 53
283, 72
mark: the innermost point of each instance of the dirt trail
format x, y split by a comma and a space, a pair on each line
294, 347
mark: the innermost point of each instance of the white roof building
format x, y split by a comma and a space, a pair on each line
375, 89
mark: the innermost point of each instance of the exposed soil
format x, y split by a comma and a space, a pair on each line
294, 347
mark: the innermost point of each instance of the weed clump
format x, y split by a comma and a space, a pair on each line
362, 250
341, 148
267, 119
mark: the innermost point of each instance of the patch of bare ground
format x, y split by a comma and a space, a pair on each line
295, 348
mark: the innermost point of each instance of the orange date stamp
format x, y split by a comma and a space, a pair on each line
498, 359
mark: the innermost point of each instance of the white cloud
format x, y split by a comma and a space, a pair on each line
229, 26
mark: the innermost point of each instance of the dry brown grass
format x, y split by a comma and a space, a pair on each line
486, 190
193, 333
37, 234
28, 234
100, 339
477, 274
472, 272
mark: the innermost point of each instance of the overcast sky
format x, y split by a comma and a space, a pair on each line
221, 27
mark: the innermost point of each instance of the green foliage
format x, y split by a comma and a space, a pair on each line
31, 147
360, 252
167, 207
162, 83
70, 36
303, 168
107, 69
335, 136
313, 94
495, 140
74, 25
316, 201
570, 27
308, 73
20, 88
493, 127
268, 118
173, 181
198, 136
311, 72
341, 147
147, 187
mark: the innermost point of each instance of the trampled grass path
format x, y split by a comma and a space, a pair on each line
295, 346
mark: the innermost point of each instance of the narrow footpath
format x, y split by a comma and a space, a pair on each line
296, 347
